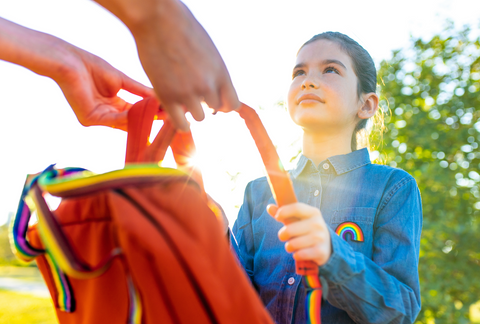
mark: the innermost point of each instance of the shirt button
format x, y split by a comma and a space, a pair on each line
316, 193
291, 281
326, 166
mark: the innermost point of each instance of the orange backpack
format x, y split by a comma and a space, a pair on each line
143, 244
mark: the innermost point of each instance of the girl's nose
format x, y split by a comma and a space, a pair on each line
309, 83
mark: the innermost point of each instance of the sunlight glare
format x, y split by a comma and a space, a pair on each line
52, 201
156, 126
128, 96
206, 108
194, 161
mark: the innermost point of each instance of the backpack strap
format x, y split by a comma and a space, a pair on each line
141, 116
59, 254
139, 150
283, 193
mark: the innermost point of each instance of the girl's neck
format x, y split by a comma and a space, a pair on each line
318, 147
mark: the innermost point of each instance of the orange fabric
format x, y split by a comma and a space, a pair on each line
140, 118
91, 232
172, 246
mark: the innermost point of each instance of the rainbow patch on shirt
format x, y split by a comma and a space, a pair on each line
350, 228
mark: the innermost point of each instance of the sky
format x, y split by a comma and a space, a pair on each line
258, 40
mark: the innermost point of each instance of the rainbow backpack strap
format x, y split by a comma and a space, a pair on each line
63, 263
21, 248
24, 251
17, 233
74, 182
313, 299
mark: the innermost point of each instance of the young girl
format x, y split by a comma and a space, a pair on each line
360, 222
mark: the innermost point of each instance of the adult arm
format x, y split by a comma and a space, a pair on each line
89, 84
178, 56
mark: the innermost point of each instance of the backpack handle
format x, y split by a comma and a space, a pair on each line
139, 149
140, 118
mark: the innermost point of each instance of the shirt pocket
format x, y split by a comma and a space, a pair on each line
355, 226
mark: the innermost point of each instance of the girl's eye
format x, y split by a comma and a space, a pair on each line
297, 73
331, 69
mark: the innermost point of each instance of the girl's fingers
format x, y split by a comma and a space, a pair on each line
296, 229
305, 241
295, 211
319, 253
302, 227
272, 209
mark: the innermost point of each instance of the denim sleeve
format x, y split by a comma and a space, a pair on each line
242, 234
385, 289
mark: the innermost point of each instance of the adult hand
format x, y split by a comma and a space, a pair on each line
90, 86
306, 234
178, 56
89, 83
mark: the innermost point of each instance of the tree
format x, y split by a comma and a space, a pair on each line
432, 91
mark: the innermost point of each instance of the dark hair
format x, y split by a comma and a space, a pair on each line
364, 69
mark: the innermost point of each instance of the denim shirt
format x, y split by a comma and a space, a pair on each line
369, 281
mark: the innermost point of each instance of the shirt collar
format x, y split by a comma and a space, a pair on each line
341, 163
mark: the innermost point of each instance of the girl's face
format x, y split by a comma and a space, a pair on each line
323, 94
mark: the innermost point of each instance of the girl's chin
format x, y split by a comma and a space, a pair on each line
310, 120
318, 125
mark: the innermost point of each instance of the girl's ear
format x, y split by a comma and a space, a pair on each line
369, 106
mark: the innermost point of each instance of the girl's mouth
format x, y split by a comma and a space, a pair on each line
309, 97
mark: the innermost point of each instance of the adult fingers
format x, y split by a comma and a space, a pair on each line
229, 98
194, 106
136, 88
213, 100
112, 119
176, 113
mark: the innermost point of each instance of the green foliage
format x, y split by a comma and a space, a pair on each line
18, 308
6, 255
432, 92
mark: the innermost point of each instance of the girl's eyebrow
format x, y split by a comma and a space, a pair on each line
299, 66
324, 62
330, 61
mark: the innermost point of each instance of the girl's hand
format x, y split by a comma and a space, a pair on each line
305, 232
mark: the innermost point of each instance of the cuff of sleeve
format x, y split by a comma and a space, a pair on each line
342, 263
